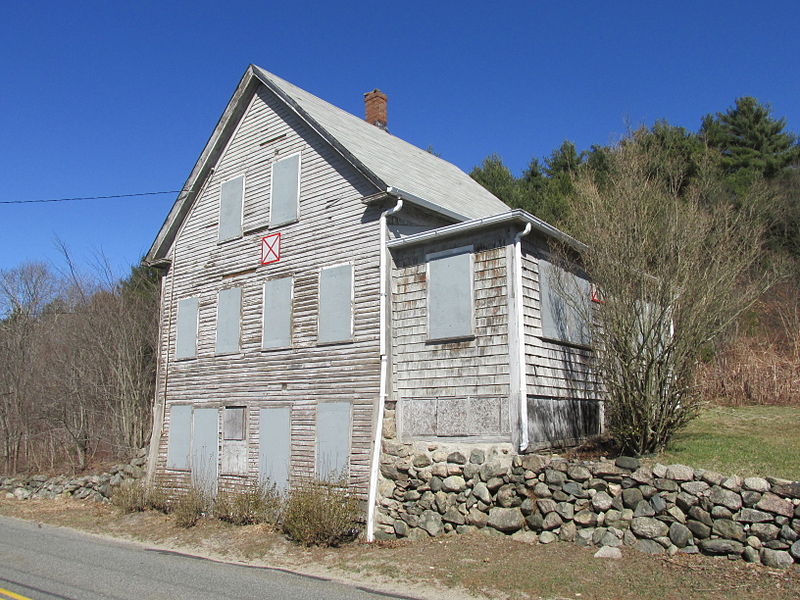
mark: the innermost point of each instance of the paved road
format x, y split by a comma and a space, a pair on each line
46, 563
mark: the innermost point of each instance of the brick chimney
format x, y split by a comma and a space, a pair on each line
375, 108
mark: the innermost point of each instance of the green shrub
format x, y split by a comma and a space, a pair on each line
321, 513
190, 507
255, 502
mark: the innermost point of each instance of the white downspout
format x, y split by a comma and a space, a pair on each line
384, 375
520, 313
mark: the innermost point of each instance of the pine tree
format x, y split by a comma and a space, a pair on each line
749, 138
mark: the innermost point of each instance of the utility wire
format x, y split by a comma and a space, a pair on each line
91, 197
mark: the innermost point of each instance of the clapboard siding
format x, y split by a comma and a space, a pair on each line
334, 227
554, 372
476, 368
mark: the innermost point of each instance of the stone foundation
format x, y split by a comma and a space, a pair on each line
431, 489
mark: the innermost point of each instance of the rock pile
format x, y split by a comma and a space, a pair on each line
656, 509
86, 487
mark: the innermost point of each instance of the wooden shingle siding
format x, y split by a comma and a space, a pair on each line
555, 372
334, 226
446, 388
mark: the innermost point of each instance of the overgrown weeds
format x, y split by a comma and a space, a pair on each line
191, 506
321, 513
137, 496
255, 502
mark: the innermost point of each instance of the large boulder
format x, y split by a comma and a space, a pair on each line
647, 527
507, 520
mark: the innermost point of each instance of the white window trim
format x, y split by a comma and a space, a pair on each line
291, 312
299, 154
350, 339
216, 322
243, 175
445, 254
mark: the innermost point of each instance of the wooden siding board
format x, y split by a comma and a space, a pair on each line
334, 226
554, 372
475, 368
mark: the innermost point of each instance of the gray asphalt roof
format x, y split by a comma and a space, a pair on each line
395, 162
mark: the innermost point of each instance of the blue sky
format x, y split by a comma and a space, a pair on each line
102, 98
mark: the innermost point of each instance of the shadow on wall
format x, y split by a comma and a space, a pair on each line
576, 413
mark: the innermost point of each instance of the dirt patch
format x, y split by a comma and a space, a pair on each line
475, 566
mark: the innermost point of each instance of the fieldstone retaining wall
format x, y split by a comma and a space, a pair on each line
434, 489
86, 487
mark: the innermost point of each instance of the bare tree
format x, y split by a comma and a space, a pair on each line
672, 276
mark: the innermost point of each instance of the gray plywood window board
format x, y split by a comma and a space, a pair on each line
229, 317
450, 294
285, 193
277, 313
565, 304
336, 304
274, 446
233, 423
333, 440
231, 195
180, 436
205, 444
186, 329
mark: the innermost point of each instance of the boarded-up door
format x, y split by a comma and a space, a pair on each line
273, 445
205, 441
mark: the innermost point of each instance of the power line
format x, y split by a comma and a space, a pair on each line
91, 197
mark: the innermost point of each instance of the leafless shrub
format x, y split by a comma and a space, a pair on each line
191, 506
673, 275
134, 495
321, 513
255, 502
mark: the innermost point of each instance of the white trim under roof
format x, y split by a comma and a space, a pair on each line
516, 215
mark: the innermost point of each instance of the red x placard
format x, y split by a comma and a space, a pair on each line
270, 249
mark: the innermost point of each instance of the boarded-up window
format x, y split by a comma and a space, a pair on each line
233, 423
234, 440
450, 294
285, 194
205, 442
180, 436
274, 448
333, 440
277, 316
336, 304
230, 209
186, 334
229, 310
565, 304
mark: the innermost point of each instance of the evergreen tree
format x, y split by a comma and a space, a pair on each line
749, 138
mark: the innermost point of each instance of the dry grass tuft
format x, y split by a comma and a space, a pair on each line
254, 503
191, 506
321, 513
137, 496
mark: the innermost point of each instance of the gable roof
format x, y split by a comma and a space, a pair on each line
391, 164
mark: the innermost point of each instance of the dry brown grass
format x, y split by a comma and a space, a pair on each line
136, 496
319, 513
191, 506
254, 502
477, 566
754, 371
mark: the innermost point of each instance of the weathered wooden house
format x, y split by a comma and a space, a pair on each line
320, 269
